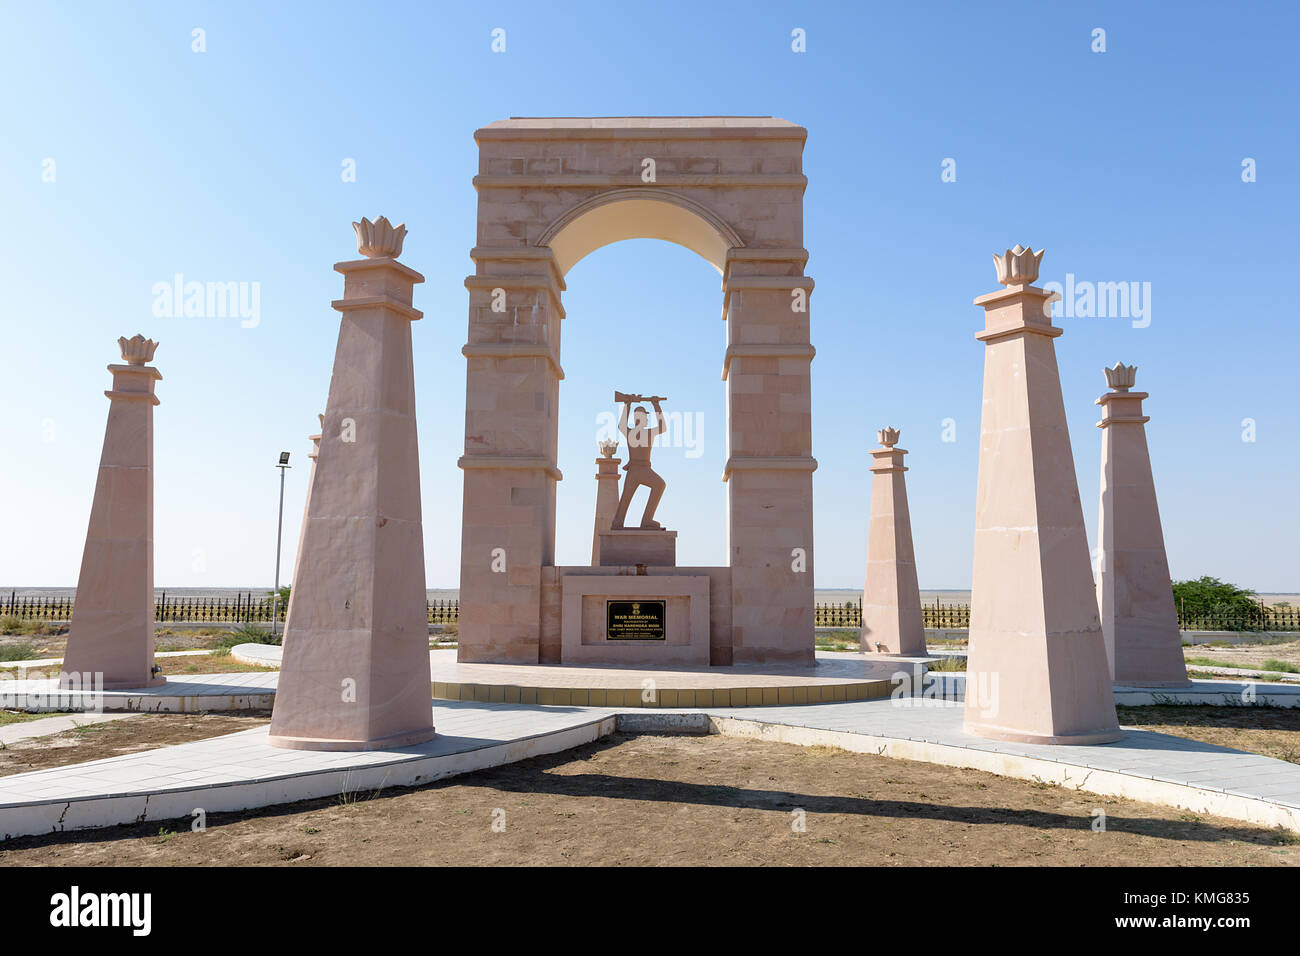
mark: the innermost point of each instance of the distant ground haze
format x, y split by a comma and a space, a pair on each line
823, 595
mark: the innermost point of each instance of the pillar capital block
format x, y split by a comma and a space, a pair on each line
378, 279
1020, 308
1122, 408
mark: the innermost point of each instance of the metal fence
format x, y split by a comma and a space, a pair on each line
849, 614
250, 608
254, 607
1258, 618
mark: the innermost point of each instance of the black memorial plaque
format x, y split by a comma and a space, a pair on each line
635, 620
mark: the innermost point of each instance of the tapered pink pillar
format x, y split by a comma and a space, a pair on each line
112, 627
1036, 670
355, 672
1134, 596
891, 599
606, 495
306, 512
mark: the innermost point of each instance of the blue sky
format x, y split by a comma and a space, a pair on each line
225, 166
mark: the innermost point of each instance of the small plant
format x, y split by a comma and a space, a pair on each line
1286, 667
17, 652
245, 634
10, 623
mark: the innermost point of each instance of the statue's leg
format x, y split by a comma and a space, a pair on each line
629, 489
656, 485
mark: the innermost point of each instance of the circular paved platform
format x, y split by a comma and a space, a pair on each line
835, 677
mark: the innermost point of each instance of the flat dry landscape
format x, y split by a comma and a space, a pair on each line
652, 800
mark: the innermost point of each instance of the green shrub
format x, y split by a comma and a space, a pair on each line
246, 634
17, 652
1227, 606
1286, 667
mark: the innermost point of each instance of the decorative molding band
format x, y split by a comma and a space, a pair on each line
713, 133
989, 336
632, 180
769, 463
1116, 396
510, 350
148, 397
529, 254
377, 302
149, 370
778, 283
514, 462
765, 351
518, 281
772, 254
379, 262
785, 284
743, 257
1138, 420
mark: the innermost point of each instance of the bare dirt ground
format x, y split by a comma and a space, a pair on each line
98, 741
1247, 655
688, 800
206, 664
43, 640
1270, 731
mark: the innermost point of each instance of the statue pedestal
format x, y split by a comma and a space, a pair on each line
629, 546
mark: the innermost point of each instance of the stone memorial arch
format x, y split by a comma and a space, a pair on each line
550, 191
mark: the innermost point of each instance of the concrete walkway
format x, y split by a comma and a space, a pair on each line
241, 771
182, 693
31, 729
45, 662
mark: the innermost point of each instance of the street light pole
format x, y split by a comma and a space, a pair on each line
279, 534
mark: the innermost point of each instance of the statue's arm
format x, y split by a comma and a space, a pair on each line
622, 422
660, 426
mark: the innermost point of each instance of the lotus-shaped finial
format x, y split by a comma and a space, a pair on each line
608, 447
1121, 377
1018, 266
379, 238
888, 437
137, 349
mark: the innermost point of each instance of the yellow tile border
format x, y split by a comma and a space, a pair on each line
762, 696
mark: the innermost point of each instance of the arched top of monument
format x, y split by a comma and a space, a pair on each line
638, 214
641, 127
713, 184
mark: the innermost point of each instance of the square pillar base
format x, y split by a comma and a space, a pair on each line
629, 546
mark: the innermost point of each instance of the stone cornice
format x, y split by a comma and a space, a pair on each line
380, 262
510, 281
512, 350
377, 302
512, 462
765, 351
632, 180
768, 463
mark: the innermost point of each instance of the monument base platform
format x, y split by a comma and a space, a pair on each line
832, 678
631, 546
407, 738
994, 732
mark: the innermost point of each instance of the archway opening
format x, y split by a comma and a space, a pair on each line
643, 316
638, 214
